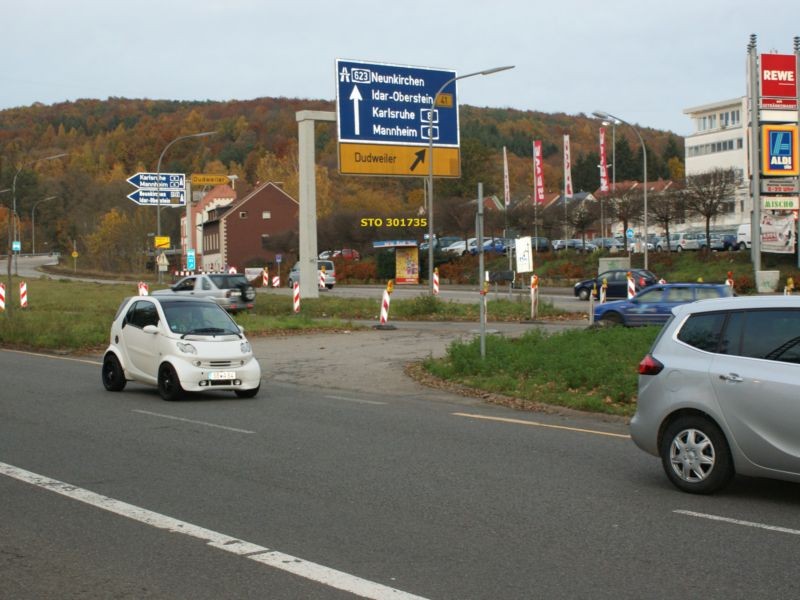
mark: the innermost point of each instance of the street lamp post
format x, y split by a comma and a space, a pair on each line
609, 117
33, 222
14, 216
430, 161
158, 182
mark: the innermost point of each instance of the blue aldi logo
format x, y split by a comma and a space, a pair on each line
779, 150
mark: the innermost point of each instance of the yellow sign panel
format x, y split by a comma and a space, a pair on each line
444, 100
162, 241
204, 179
408, 161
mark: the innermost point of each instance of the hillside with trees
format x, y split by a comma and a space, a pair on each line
107, 141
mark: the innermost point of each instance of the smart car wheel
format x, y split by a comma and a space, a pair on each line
247, 393
583, 293
696, 456
169, 386
113, 375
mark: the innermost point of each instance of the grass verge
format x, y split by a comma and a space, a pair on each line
585, 369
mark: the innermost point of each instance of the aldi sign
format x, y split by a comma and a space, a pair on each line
779, 150
779, 81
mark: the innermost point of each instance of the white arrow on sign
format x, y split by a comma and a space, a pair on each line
355, 96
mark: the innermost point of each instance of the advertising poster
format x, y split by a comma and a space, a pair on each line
777, 234
407, 265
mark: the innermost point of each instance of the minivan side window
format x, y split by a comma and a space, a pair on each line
772, 335
702, 331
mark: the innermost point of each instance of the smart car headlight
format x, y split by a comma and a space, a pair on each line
187, 348
245, 347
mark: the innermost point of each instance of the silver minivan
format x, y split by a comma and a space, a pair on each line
719, 392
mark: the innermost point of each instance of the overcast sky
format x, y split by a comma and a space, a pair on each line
641, 60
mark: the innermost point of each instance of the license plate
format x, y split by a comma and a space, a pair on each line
222, 375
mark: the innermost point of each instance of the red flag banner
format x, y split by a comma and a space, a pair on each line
538, 173
603, 163
567, 169
506, 187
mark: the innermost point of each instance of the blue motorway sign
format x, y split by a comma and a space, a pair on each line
164, 181
148, 197
379, 103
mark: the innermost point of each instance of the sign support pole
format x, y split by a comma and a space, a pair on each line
308, 199
755, 165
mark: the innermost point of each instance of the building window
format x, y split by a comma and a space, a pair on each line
242, 214
265, 241
266, 215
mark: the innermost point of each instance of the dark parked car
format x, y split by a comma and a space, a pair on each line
608, 243
574, 244
718, 393
617, 283
654, 304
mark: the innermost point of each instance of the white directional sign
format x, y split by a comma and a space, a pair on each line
153, 189
148, 197
164, 181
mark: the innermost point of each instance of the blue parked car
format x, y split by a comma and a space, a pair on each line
653, 305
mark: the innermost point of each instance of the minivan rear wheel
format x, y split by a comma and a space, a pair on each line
696, 456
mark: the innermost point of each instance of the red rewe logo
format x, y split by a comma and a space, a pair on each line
778, 76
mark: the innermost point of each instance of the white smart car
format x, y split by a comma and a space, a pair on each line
179, 344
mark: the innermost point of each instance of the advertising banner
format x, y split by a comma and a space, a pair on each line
407, 265
567, 169
538, 173
779, 150
777, 234
603, 164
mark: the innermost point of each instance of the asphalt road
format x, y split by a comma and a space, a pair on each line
345, 479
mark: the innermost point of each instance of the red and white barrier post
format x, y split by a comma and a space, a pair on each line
534, 295
603, 291
631, 286
436, 281
384, 318
276, 281
23, 294
729, 280
143, 289
2, 297
296, 296
265, 278
322, 278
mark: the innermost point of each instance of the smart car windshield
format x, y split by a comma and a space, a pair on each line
199, 318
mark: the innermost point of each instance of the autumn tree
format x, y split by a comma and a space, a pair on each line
627, 205
709, 194
665, 208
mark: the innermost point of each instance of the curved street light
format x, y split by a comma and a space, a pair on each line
607, 116
158, 182
430, 160
14, 214
33, 221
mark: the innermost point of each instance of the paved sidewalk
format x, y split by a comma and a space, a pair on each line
370, 359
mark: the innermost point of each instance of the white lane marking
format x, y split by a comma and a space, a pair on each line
356, 400
285, 562
545, 425
69, 358
690, 513
163, 416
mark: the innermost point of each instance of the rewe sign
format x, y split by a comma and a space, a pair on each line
779, 81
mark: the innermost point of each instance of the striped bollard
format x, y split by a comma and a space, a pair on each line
143, 289
631, 286
603, 291
436, 281
23, 294
386, 300
265, 278
296, 296
276, 281
534, 295
2, 297
322, 278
